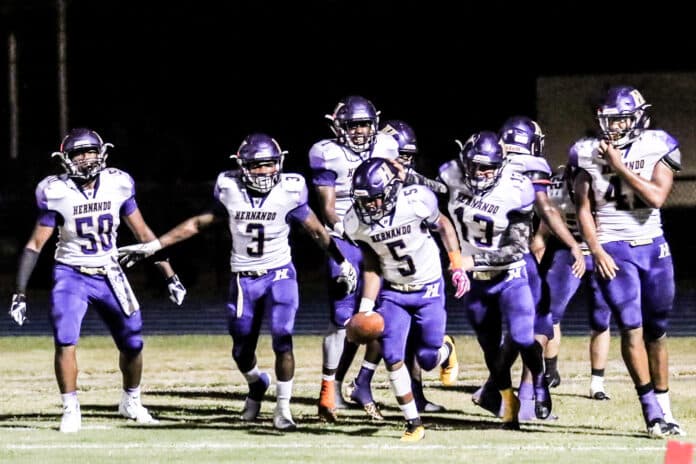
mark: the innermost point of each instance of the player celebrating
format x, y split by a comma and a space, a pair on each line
86, 204
258, 201
333, 161
392, 225
492, 208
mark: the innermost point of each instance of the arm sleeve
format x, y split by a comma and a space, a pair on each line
513, 244
27, 263
413, 177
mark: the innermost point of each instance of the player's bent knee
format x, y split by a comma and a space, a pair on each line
282, 343
427, 358
131, 346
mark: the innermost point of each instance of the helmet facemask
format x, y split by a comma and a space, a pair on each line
261, 182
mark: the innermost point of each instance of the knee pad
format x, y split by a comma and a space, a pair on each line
282, 343
131, 346
655, 330
427, 358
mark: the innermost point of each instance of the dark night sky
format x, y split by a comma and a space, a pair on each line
179, 84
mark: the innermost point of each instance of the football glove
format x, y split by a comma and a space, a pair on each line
131, 254
177, 291
347, 276
18, 309
461, 282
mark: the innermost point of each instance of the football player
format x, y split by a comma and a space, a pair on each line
402, 274
492, 210
86, 204
355, 122
627, 176
258, 202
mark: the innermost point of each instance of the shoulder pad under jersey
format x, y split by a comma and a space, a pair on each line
586, 149
450, 172
324, 150
667, 144
423, 201
121, 179
51, 188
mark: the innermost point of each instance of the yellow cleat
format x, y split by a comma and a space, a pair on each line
511, 409
414, 431
449, 370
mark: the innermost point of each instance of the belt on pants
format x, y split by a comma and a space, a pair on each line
640, 242
486, 275
92, 271
259, 273
406, 288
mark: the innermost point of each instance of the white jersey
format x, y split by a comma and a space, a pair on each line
534, 167
620, 213
559, 193
88, 219
407, 252
481, 220
334, 164
259, 224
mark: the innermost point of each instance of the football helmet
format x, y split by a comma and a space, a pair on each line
259, 150
355, 121
623, 103
78, 141
375, 187
481, 157
406, 137
522, 135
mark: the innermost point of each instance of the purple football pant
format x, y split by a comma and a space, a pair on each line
543, 323
71, 295
563, 286
642, 293
423, 314
275, 294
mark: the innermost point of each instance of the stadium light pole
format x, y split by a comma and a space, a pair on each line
13, 95
62, 69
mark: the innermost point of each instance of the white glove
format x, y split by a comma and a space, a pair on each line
177, 291
18, 309
131, 254
347, 276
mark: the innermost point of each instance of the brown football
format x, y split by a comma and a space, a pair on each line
364, 327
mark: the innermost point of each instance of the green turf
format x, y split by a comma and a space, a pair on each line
190, 384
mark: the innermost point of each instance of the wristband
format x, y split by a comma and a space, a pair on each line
366, 305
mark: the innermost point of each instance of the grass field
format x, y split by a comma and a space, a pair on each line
190, 384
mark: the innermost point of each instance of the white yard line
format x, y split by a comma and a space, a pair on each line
372, 446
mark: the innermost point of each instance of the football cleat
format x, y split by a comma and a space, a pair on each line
373, 412
658, 428
252, 403
511, 410
449, 370
553, 379
282, 419
429, 406
131, 408
363, 396
414, 431
71, 421
489, 399
542, 398
600, 395
676, 429
327, 406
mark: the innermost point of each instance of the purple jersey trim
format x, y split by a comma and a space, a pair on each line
48, 218
299, 214
323, 178
128, 207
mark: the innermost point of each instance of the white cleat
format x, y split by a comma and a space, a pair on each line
251, 410
131, 408
598, 393
282, 419
71, 422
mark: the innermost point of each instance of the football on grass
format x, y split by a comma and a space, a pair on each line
364, 327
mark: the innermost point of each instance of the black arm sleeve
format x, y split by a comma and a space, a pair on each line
513, 244
27, 263
412, 177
